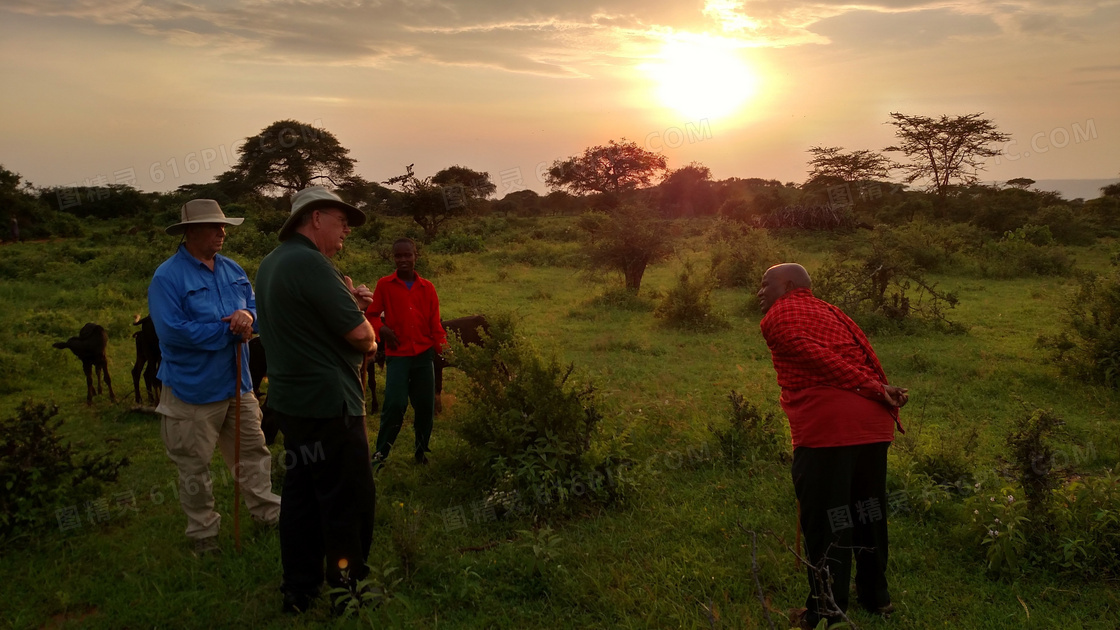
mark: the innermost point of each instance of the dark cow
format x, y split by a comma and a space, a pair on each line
469, 330
258, 366
148, 357
89, 346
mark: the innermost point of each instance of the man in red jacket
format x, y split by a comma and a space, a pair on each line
842, 415
412, 335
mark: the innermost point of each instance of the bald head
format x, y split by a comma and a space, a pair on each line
779, 280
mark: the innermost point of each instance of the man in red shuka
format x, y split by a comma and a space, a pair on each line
842, 415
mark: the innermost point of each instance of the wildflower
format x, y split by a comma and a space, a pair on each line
1010, 499
992, 499
976, 511
997, 520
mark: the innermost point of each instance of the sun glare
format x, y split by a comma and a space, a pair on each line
703, 77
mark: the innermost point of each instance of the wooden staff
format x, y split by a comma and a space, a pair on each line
237, 455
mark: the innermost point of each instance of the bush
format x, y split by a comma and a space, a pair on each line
688, 305
38, 470
457, 243
534, 428
740, 254
1089, 345
623, 300
751, 435
1026, 251
882, 284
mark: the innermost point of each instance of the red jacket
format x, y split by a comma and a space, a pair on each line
413, 314
832, 382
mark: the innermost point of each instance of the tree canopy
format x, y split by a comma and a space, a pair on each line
289, 156
832, 164
945, 149
617, 167
627, 241
452, 192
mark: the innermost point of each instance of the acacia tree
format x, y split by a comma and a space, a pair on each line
945, 149
452, 192
832, 165
611, 169
289, 156
627, 241
687, 191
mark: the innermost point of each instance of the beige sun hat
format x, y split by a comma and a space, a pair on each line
315, 198
201, 211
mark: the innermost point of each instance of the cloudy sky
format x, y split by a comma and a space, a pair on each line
160, 93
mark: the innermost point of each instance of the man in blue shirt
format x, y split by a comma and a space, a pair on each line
203, 306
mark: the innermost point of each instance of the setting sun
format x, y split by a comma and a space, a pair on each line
702, 77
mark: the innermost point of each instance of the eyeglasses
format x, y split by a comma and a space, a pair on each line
340, 217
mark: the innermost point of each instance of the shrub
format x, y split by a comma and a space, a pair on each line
688, 305
623, 300
1025, 251
1032, 455
457, 243
533, 427
740, 254
1089, 344
750, 434
819, 217
881, 284
38, 471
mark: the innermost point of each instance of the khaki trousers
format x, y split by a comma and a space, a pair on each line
190, 433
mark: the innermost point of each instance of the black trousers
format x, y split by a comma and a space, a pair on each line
327, 505
842, 492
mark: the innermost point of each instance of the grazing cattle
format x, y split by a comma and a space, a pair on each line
148, 357
89, 346
258, 366
468, 329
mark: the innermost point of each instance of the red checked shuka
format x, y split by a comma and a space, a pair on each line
832, 382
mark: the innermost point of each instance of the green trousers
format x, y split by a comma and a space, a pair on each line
408, 379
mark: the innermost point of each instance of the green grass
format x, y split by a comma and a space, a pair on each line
673, 552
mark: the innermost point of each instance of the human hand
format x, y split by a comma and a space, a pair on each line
361, 293
240, 323
389, 337
896, 396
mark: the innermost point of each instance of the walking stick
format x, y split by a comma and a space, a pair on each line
237, 455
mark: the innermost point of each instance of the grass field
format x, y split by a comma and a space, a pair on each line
676, 554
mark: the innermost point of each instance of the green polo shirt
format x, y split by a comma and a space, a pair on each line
305, 312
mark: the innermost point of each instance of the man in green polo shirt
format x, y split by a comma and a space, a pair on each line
315, 335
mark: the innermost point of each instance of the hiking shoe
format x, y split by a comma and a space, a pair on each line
206, 546
296, 603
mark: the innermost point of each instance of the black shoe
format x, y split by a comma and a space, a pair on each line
296, 603
421, 459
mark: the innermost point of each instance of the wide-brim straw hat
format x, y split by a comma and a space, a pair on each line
201, 211
315, 198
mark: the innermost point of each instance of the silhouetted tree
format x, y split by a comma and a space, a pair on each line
831, 165
431, 204
945, 149
615, 168
687, 191
627, 240
289, 156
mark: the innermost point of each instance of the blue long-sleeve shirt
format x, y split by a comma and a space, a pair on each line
187, 302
